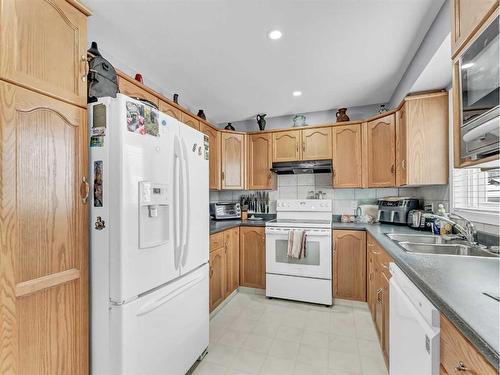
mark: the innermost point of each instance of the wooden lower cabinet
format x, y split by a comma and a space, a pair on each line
43, 234
217, 274
253, 257
378, 291
232, 253
349, 264
457, 355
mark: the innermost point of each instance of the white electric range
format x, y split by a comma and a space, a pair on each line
308, 279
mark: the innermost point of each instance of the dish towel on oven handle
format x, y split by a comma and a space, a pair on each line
296, 244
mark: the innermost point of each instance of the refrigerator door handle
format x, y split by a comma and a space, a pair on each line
153, 305
177, 201
186, 206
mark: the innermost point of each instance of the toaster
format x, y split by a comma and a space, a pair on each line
225, 210
395, 210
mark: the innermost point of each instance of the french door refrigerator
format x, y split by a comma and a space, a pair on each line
149, 240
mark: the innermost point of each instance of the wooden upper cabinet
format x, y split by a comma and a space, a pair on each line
133, 89
286, 146
466, 18
456, 351
190, 120
214, 155
253, 257
349, 264
217, 276
346, 151
260, 160
44, 47
170, 110
316, 144
44, 228
232, 249
381, 152
401, 142
233, 161
422, 140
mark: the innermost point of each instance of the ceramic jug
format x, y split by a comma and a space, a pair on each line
342, 115
261, 121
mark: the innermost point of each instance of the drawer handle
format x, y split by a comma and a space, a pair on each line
461, 367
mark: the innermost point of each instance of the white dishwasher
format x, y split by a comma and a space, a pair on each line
414, 328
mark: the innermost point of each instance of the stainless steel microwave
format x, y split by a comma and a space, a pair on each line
479, 95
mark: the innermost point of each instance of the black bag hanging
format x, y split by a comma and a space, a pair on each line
102, 79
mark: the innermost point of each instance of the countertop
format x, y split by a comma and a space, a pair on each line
454, 284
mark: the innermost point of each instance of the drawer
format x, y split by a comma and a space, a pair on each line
216, 241
457, 351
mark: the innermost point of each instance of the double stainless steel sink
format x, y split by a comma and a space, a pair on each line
439, 245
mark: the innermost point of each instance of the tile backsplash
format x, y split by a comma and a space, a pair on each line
345, 200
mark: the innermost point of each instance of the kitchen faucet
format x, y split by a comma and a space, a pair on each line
468, 231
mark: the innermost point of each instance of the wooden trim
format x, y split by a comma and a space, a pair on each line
81, 7
476, 31
32, 286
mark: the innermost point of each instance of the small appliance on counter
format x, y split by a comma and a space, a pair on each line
367, 210
417, 220
394, 210
225, 210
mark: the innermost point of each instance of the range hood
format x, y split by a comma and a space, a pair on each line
301, 167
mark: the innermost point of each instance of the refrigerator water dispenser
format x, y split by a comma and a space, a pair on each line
153, 214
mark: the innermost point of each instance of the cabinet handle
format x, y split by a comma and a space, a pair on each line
461, 367
222, 175
392, 168
379, 293
85, 63
84, 190
297, 147
386, 267
403, 164
211, 272
269, 176
303, 146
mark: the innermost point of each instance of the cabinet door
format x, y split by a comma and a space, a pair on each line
43, 233
133, 90
252, 257
233, 161
286, 146
346, 149
401, 134
385, 315
170, 110
260, 160
316, 144
466, 17
349, 264
381, 152
44, 47
232, 249
217, 273
190, 120
214, 155
371, 280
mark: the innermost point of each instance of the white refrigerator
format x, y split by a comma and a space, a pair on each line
149, 240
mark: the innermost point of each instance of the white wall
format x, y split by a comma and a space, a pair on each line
312, 118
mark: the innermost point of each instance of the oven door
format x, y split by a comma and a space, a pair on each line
318, 260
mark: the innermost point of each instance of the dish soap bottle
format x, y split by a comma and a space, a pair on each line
445, 228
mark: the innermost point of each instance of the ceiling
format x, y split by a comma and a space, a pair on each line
216, 54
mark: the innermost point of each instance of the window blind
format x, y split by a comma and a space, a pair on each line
476, 189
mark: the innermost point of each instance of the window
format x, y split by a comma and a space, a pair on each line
477, 191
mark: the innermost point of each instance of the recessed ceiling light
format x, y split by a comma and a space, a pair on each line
275, 35
467, 66
297, 93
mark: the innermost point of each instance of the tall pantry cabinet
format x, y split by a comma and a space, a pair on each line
43, 187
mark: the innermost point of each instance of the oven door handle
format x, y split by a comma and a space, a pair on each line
285, 232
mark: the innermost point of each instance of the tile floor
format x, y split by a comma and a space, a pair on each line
255, 335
